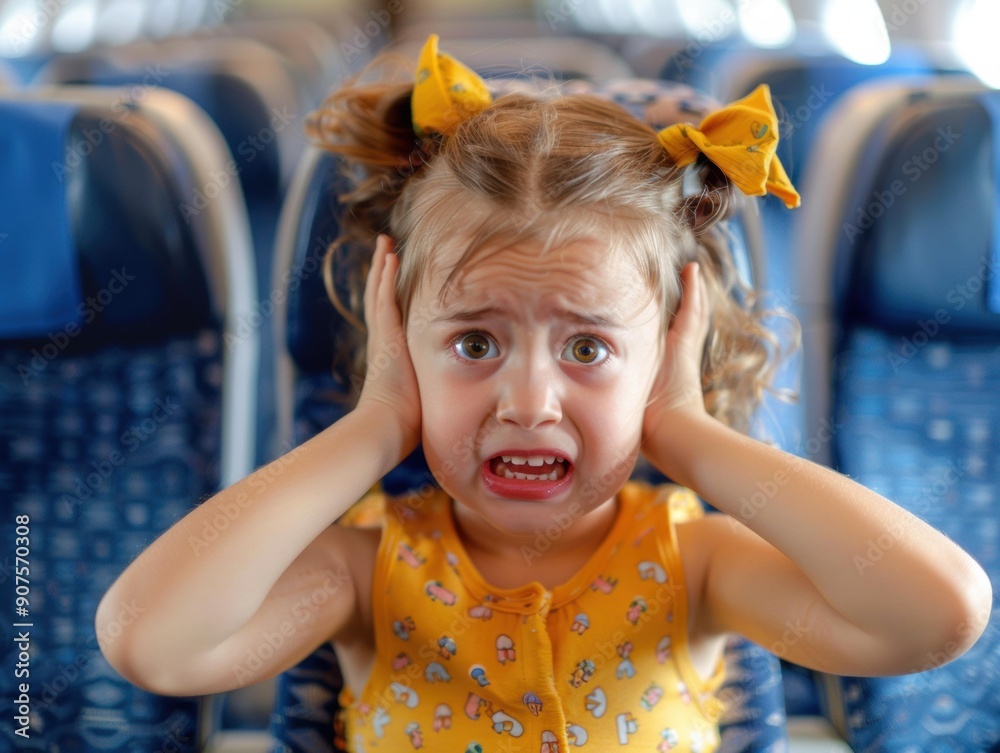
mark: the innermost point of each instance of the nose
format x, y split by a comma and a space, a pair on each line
529, 395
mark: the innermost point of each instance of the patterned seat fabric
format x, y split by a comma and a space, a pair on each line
111, 416
103, 452
916, 415
307, 694
252, 95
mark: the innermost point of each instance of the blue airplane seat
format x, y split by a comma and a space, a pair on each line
805, 83
317, 58
257, 101
554, 57
313, 394
8, 76
122, 407
20, 71
906, 302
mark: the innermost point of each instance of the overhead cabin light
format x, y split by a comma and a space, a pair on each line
588, 14
767, 23
974, 38
709, 20
22, 27
161, 18
656, 18
857, 29
76, 27
121, 21
617, 17
190, 15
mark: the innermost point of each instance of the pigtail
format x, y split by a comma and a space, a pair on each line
369, 127
742, 354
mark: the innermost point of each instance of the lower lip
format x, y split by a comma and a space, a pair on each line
519, 488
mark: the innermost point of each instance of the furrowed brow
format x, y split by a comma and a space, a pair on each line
575, 317
591, 320
467, 315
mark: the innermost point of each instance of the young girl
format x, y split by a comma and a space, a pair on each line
526, 326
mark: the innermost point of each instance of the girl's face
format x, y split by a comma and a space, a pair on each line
536, 365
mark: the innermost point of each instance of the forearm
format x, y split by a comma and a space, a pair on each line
880, 567
206, 576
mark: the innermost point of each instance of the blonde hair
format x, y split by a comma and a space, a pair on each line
545, 168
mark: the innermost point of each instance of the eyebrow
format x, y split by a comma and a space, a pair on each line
467, 315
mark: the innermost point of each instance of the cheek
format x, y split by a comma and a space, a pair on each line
445, 423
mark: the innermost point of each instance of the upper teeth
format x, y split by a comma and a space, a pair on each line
533, 460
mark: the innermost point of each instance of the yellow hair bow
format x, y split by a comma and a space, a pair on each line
741, 139
445, 92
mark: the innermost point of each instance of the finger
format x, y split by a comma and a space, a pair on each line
387, 294
390, 266
375, 273
692, 314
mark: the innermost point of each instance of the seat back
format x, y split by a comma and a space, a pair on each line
806, 80
806, 83
561, 58
247, 89
906, 310
312, 396
8, 79
254, 97
316, 57
122, 407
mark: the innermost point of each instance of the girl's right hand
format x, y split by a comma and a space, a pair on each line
390, 381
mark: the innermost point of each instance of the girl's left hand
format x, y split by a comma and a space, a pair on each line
678, 384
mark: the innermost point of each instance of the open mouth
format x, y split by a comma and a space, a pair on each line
535, 475
530, 467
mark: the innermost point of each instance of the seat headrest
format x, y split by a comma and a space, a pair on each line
919, 236
312, 322
8, 79
41, 281
808, 88
97, 249
246, 88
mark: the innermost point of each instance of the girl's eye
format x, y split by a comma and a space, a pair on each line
585, 350
476, 347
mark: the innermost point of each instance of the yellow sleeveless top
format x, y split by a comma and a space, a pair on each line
597, 662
